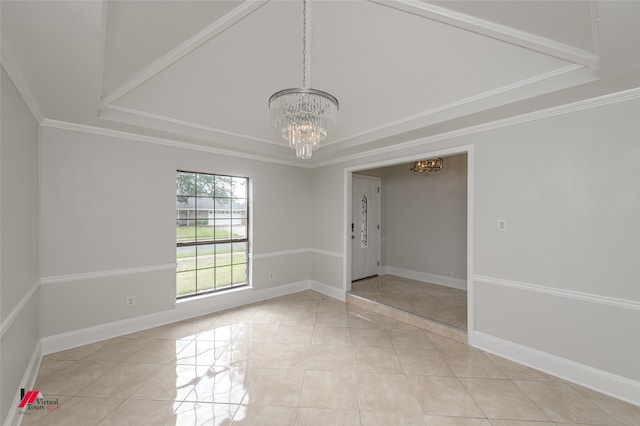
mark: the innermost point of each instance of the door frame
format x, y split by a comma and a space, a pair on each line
378, 206
346, 248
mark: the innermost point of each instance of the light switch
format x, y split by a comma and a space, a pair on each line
502, 225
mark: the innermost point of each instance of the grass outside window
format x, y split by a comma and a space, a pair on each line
212, 250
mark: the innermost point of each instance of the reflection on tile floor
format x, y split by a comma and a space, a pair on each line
443, 304
305, 359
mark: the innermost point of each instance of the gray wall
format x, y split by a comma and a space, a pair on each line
19, 235
425, 219
572, 226
108, 228
563, 280
328, 227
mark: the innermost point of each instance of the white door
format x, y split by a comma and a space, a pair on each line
365, 226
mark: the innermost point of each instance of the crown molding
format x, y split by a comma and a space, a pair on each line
177, 53
101, 131
10, 67
596, 102
497, 31
536, 85
569, 75
595, 28
532, 116
104, 18
142, 118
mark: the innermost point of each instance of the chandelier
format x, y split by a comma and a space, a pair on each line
430, 165
303, 116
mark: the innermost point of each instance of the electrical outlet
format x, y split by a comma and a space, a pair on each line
502, 225
131, 301
270, 275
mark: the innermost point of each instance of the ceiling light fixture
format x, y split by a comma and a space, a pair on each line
430, 165
303, 116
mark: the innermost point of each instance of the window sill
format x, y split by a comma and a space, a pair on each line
216, 295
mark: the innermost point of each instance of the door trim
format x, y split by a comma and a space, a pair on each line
347, 182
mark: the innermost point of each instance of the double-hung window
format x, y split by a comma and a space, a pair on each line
212, 229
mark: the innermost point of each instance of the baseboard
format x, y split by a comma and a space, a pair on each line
183, 310
327, 290
426, 277
28, 382
599, 380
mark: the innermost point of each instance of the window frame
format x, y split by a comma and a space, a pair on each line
213, 241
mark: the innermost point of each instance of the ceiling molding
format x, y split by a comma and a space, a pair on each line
599, 101
9, 65
103, 45
595, 27
497, 31
146, 119
623, 96
177, 53
533, 86
101, 131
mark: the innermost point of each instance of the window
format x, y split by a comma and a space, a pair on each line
364, 230
212, 228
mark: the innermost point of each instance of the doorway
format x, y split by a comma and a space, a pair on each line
444, 296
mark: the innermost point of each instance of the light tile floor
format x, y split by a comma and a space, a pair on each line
443, 304
305, 359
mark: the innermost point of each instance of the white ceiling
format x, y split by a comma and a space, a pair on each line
202, 72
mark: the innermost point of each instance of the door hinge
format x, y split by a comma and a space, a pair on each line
378, 190
378, 263
378, 227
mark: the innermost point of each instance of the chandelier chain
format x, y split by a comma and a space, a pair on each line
304, 43
303, 115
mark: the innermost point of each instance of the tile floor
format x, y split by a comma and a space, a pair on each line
443, 304
305, 359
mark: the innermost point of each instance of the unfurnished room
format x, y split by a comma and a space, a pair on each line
320, 212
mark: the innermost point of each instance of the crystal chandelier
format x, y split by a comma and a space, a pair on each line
430, 165
303, 116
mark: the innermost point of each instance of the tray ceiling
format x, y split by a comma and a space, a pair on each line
202, 72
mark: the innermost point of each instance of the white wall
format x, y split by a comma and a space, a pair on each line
108, 230
560, 289
425, 221
19, 235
